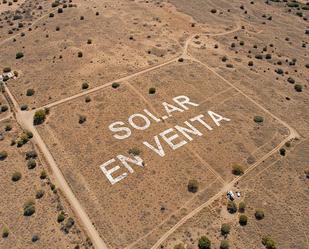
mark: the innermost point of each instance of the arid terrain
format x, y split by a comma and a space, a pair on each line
141, 124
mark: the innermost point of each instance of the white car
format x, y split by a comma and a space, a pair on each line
230, 195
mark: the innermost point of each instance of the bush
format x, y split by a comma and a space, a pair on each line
204, 243
291, 80
259, 214
16, 176
35, 238
70, 222
80, 54
259, 56
237, 169
179, 246
89, 41
87, 99
39, 117
231, 207
31, 164
85, 85
152, 90
6, 69
39, 194
243, 219
60, 10
298, 88
134, 151
31, 154
5, 232
4, 108
43, 174
193, 186
23, 107
3, 155
8, 127
115, 85
82, 119
224, 244
250, 63
241, 207
282, 151
60, 217
268, 242
306, 171
213, 11
19, 55
30, 92
258, 119
279, 71
268, 56
29, 208
225, 229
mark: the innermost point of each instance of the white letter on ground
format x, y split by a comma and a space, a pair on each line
217, 118
159, 150
108, 173
170, 139
171, 108
185, 131
146, 125
199, 118
124, 160
115, 129
183, 101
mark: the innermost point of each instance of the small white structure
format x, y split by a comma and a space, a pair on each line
230, 195
238, 194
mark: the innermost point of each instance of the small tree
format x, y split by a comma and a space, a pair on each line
298, 88
268, 242
307, 173
258, 119
82, 119
16, 176
19, 55
39, 194
3, 155
115, 85
43, 174
152, 90
29, 208
80, 54
243, 219
225, 229
259, 214
5, 232
231, 207
224, 244
30, 92
237, 169
193, 186
31, 164
242, 207
204, 243
60, 217
39, 117
85, 85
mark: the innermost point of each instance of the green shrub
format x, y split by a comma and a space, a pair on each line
4, 108
39, 117
29, 208
70, 222
16, 176
3, 155
268, 242
282, 151
213, 11
306, 171
24, 107
179, 246
291, 80
5, 232
259, 56
225, 229
39, 194
241, 207
89, 41
115, 85
134, 151
35, 238
193, 186
224, 244
31, 164
43, 174
231, 207
30, 92
152, 90
8, 127
258, 119
237, 169
243, 219
19, 55
7, 70
298, 88
31, 154
259, 214
80, 54
250, 63
87, 99
204, 243
85, 85
60, 217
82, 119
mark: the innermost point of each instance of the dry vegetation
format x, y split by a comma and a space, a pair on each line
81, 65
